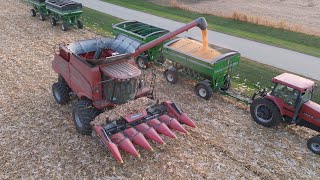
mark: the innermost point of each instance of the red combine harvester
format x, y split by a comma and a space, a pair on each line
289, 102
101, 74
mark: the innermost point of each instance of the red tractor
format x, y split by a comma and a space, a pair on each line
289, 102
101, 73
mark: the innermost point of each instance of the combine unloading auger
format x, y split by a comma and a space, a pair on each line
138, 127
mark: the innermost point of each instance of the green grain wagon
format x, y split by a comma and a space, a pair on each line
39, 6
212, 74
143, 33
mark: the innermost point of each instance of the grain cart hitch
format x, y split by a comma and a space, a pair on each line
135, 128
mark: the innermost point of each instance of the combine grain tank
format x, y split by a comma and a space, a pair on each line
144, 33
211, 65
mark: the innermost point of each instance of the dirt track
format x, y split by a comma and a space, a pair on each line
38, 139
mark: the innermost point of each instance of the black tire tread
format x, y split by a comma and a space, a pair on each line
207, 88
312, 140
276, 120
63, 90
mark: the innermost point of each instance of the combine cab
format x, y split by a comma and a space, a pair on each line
101, 73
289, 102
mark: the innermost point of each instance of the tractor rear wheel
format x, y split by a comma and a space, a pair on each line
33, 13
79, 24
204, 91
314, 144
42, 17
265, 112
64, 26
61, 93
171, 75
83, 112
53, 21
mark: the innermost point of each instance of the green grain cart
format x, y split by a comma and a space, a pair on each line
213, 71
39, 6
143, 33
66, 11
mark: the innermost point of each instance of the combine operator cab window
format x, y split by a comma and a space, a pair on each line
119, 92
287, 94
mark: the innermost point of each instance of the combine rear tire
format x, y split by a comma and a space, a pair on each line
204, 91
171, 75
53, 21
33, 13
83, 112
42, 17
79, 24
64, 26
314, 144
265, 112
61, 92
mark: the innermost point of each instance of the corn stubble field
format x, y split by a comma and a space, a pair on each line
38, 138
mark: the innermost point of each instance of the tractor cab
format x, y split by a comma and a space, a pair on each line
291, 91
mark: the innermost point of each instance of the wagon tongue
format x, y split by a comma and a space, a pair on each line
135, 128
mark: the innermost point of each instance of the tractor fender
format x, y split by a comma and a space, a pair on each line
276, 102
204, 82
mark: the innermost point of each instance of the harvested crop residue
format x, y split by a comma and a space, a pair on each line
195, 48
38, 139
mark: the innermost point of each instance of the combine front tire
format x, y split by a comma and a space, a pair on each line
33, 13
171, 75
42, 17
83, 112
204, 90
314, 144
61, 92
265, 112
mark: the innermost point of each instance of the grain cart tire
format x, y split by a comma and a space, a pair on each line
227, 84
79, 24
265, 112
161, 59
204, 90
64, 26
171, 75
61, 93
53, 21
142, 62
33, 13
83, 112
314, 144
42, 17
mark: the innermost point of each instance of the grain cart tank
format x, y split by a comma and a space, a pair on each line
212, 67
144, 33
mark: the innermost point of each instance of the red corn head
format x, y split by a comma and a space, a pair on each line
184, 118
172, 123
124, 143
137, 138
109, 145
161, 128
149, 132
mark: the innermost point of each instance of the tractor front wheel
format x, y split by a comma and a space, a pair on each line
42, 17
64, 26
204, 91
53, 21
265, 112
79, 24
171, 75
61, 93
314, 144
33, 13
83, 112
